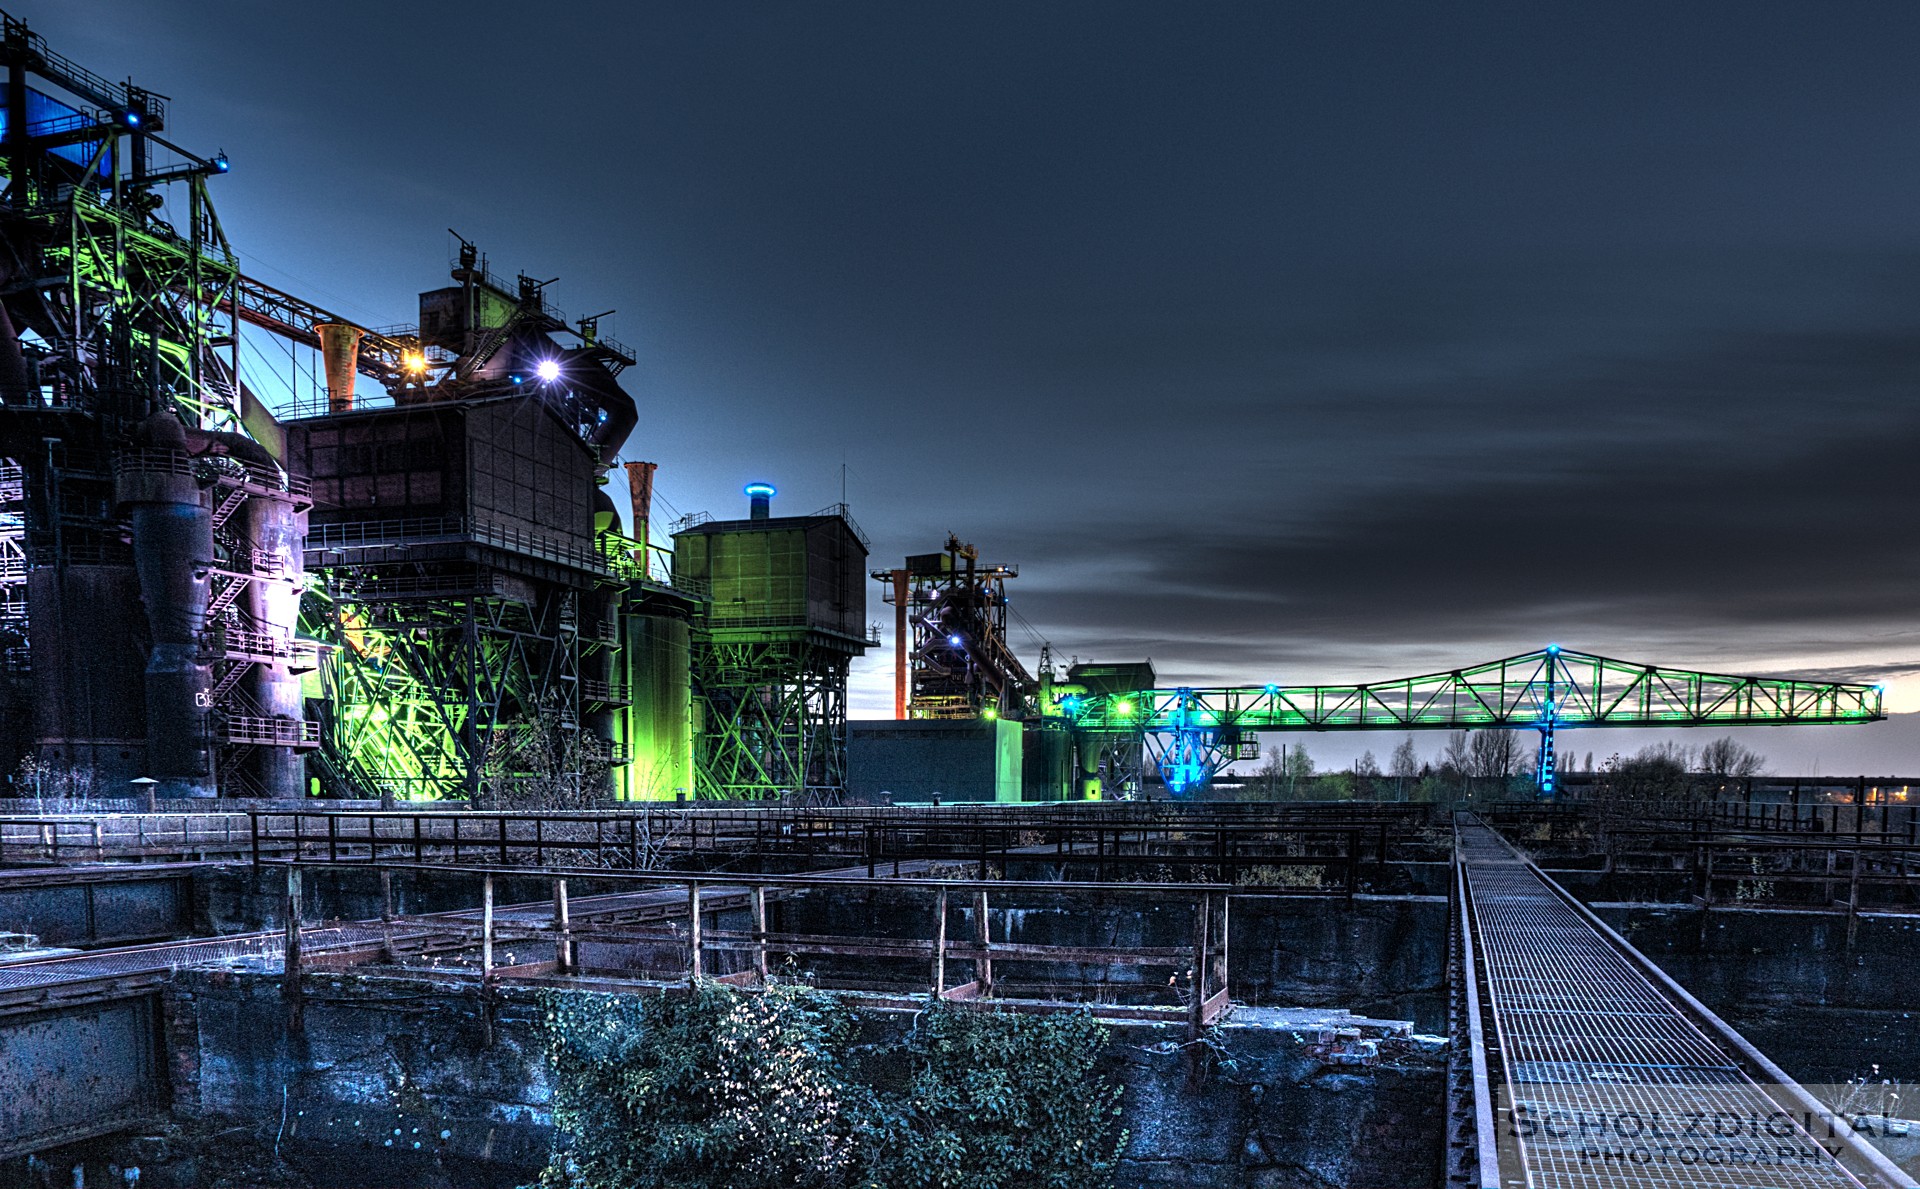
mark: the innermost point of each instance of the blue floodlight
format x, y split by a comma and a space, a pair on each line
956, 641
220, 163
548, 370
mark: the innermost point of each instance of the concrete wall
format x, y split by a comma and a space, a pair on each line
385, 1062
99, 912
919, 759
1789, 981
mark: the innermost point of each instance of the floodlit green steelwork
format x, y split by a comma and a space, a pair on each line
771, 649
1192, 732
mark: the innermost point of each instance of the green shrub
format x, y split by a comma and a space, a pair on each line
714, 1089
1003, 1100
745, 1090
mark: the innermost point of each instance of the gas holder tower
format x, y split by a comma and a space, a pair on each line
782, 617
951, 657
149, 536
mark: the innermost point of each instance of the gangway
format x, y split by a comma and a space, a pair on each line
1592, 1069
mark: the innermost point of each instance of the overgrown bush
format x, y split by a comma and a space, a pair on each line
751, 1089
1004, 1101
713, 1089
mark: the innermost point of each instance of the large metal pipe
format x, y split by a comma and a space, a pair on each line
15, 379
340, 354
759, 501
640, 490
173, 556
273, 531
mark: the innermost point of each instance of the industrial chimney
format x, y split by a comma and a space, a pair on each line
340, 353
760, 497
640, 489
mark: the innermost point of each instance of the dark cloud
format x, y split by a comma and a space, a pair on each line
1748, 496
1308, 341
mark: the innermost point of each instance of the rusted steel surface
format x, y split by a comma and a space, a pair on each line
76, 1072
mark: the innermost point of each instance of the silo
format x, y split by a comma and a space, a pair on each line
657, 642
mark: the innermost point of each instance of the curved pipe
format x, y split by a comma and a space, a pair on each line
15, 380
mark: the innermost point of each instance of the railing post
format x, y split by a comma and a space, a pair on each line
940, 944
1853, 897
759, 895
253, 820
983, 933
1226, 902
418, 850
694, 973
1197, 1002
290, 951
562, 928
486, 927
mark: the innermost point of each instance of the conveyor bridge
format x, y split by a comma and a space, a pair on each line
1193, 734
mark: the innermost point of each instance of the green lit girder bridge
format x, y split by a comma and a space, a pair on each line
1193, 734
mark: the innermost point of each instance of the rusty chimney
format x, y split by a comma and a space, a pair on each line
340, 353
640, 487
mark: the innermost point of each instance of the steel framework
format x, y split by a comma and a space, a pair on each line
119, 287
1194, 733
419, 687
774, 715
959, 664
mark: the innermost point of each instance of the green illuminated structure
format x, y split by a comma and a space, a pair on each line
1194, 733
772, 648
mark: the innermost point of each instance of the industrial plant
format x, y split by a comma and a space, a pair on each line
381, 807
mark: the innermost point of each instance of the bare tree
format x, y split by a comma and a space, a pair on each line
1455, 765
1493, 753
1405, 763
1272, 775
1658, 771
53, 786
540, 764
1727, 757
1366, 774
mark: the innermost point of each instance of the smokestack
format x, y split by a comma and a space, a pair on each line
640, 488
340, 352
760, 500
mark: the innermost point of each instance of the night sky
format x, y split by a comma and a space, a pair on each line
1276, 342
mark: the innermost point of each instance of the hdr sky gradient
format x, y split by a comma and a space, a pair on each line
1293, 342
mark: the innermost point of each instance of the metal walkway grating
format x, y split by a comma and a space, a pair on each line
173, 955
1608, 1083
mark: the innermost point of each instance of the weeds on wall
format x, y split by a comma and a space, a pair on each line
754, 1089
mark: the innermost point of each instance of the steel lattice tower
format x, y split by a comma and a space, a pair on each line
148, 535
772, 648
